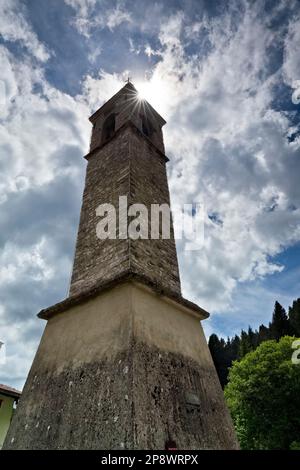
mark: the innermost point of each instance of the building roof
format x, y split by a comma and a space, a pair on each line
9, 391
127, 87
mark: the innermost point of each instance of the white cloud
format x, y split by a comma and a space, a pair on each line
94, 54
291, 66
117, 16
36, 125
101, 88
19, 353
93, 14
43, 134
14, 27
82, 7
149, 51
16, 262
133, 48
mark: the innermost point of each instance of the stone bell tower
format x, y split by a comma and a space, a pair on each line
123, 362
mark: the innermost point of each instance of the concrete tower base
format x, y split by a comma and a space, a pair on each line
127, 368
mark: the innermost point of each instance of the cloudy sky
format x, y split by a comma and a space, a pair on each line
226, 77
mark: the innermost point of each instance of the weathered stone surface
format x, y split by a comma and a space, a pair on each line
142, 405
108, 375
128, 165
164, 409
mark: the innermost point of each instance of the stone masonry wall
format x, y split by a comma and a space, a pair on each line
156, 259
152, 396
128, 165
109, 375
107, 177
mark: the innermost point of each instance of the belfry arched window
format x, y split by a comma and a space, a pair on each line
108, 128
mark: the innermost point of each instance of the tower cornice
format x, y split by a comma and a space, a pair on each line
128, 276
123, 127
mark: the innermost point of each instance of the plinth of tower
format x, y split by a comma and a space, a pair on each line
126, 367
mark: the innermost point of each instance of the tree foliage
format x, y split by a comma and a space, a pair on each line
280, 325
263, 395
225, 352
294, 317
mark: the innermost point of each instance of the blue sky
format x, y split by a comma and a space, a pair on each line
226, 77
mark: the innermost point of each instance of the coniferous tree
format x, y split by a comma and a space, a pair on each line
263, 334
294, 317
225, 352
280, 324
245, 345
229, 353
235, 346
252, 335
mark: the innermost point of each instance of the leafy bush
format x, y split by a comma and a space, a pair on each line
263, 395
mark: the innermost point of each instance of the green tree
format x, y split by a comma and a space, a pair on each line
234, 348
217, 350
253, 338
245, 344
263, 334
223, 354
294, 317
263, 395
280, 324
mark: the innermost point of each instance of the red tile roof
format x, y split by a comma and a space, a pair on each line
12, 392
